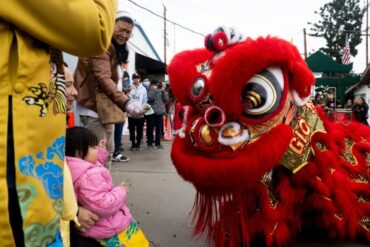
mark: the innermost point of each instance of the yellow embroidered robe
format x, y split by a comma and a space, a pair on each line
82, 28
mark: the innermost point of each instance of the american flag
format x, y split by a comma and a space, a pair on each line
346, 56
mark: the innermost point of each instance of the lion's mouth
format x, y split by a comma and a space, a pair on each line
211, 137
212, 132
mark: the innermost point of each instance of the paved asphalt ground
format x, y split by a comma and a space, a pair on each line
161, 201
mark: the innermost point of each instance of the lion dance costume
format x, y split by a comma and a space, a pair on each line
264, 161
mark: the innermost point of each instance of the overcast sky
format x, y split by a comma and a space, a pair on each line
283, 18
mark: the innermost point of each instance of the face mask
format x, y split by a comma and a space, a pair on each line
146, 84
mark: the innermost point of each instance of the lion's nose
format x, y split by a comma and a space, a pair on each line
214, 116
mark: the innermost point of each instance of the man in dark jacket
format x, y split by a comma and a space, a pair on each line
360, 110
157, 98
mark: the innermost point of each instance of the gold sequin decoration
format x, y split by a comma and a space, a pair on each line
273, 230
207, 101
257, 130
326, 198
304, 125
360, 179
191, 131
347, 154
320, 146
267, 182
339, 216
368, 158
363, 199
365, 223
205, 135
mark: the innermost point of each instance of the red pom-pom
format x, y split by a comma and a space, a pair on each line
219, 41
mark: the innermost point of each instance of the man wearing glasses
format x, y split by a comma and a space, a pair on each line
102, 73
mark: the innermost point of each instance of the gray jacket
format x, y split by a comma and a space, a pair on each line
157, 98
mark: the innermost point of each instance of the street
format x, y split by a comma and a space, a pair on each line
161, 201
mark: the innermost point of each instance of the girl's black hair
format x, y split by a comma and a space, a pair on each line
79, 139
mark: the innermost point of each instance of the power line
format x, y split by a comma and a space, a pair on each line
135, 46
172, 22
202, 9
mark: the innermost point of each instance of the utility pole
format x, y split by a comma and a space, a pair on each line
367, 33
164, 35
174, 38
305, 43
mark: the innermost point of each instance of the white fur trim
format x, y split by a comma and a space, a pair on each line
298, 100
182, 133
227, 141
237, 36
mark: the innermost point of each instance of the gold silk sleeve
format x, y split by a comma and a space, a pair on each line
82, 28
70, 206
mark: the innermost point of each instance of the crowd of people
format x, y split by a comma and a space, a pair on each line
358, 108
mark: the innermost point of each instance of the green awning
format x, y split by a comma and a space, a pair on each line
320, 62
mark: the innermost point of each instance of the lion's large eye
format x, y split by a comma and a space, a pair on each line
263, 92
198, 87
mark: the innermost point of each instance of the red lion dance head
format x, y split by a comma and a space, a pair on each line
265, 162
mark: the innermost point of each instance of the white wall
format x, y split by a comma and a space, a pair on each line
71, 61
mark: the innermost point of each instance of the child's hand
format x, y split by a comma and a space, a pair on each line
123, 185
103, 143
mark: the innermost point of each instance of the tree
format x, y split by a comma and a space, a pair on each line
339, 19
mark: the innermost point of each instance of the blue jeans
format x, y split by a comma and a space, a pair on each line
117, 137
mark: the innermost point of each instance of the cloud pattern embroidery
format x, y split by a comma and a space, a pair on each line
47, 171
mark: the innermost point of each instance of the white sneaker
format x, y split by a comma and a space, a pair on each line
120, 158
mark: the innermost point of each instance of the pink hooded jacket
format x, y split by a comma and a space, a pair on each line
94, 190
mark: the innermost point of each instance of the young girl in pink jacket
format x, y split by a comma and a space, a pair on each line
94, 189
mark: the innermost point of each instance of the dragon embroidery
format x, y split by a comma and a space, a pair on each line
54, 95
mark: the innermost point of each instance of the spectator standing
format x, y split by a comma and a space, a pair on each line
330, 103
157, 98
361, 111
166, 127
330, 107
150, 121
100, 74
123, 85
146, 83
348, 104
138, 94
319, 101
